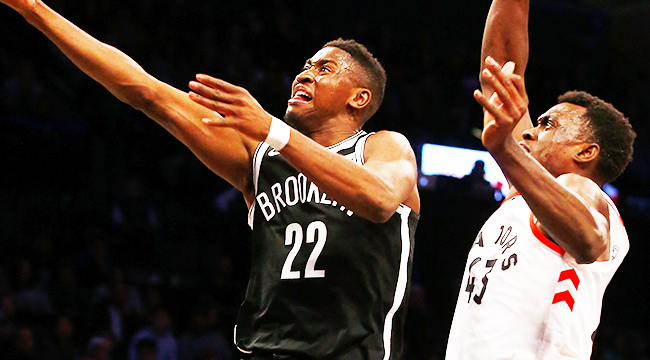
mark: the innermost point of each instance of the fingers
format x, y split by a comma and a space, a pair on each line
508, 68
215, 122
518, 82
510, 88
216, 94
217, 106
217, 84
492, 106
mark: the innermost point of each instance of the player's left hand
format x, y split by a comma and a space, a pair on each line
238, 108
505, 107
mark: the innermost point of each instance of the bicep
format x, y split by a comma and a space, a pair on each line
390, 157
596, 216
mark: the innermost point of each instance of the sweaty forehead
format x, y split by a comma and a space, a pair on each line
567, 112
333, 54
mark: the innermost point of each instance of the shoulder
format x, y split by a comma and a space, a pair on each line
587, 190
389, 142
387, 136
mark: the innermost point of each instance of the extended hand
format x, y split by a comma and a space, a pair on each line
239, 110
22, 6
506, 106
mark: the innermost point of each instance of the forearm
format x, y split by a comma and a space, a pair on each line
565, 216
224, 151
118, 73
355, 186
505, 37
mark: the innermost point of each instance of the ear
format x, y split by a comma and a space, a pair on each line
360, 99
588, 152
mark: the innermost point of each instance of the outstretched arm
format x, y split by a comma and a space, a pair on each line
505, 39
373, 190
223, 150
571, 209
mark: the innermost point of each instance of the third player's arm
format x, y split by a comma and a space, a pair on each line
223, 150
505, 39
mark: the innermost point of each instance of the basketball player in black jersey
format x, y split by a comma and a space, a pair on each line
333, 209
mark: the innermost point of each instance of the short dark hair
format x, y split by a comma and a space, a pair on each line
374, 73
610, 129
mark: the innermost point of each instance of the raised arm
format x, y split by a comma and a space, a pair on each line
223, 150
505, 39
373, 190
570, 209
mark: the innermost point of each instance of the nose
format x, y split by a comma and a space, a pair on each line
305, 76
528, 134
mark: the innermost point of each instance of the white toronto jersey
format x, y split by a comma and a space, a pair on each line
523, 297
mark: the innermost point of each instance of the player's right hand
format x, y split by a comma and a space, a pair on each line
21, 6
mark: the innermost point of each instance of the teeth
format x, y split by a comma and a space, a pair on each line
302, 93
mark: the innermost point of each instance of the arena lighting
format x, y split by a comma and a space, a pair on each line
440, 160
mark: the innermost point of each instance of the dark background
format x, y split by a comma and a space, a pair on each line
97, 200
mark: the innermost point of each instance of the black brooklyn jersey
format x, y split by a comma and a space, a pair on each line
325, 283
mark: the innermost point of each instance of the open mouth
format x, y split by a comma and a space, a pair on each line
301, 96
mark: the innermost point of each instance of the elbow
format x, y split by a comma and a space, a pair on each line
380, 217
380, 210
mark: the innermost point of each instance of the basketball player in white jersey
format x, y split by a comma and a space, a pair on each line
536, 273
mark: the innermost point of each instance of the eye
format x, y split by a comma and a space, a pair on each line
544, 123
325, 69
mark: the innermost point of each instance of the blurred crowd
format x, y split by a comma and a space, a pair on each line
116, 243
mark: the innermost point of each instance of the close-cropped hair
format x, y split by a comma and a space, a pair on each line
373, 71
609, 128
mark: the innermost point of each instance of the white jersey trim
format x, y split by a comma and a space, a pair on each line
402, 279
235, 342
346, 143
257, 164
360, 148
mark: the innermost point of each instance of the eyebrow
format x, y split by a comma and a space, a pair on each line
320, 62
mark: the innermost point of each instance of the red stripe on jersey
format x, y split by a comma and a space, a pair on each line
538, 234
566, 297
570, 275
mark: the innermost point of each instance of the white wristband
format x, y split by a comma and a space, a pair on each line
279, 134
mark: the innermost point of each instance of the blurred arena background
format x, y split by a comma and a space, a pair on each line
109, 226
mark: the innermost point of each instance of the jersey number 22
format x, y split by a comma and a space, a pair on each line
293, 235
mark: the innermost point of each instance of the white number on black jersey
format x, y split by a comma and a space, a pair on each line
293, 235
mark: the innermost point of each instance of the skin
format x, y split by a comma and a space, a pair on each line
506, 46
565, 194
222, 124
334, 113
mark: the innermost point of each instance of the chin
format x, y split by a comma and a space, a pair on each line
291, 118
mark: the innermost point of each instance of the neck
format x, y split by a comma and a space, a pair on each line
329, 132
332, 136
